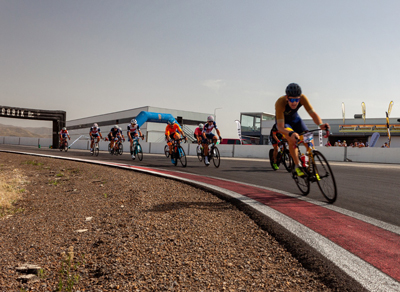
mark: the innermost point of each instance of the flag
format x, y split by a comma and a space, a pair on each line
239, 129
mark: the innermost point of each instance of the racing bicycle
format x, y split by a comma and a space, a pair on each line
64, 145
213, 154
316, 169
137, 148
283, 156
95, 151
178, 153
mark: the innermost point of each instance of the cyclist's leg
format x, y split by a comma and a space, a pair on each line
209, 136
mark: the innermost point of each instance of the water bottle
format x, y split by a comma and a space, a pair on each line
303, 160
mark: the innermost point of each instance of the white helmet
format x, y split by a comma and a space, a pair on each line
210, 119
201, 126
133, 121
115, 126
64, 128
95, 125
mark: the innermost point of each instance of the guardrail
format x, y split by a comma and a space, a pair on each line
367, 154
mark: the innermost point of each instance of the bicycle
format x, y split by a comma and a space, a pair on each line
213, 154
137, 149
178, 153
199, 152
64, 145
96, 150
316, 169
117, 149
283, 156
166, 151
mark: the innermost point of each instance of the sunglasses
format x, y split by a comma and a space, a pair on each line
294, 99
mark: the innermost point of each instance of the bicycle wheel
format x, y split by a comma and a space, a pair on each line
66, 146
109, 148
120, 148
302, 182
215, 157
166, 151
199, 154
326, 181
96, 150
139, 152
175, 155
286, 161
182, 156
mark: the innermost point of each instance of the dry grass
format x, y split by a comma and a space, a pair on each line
12, 184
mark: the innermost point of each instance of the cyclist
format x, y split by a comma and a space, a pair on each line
172, 132
198, 135
113, 136
275, 138
208, 135
133, 132
63, 136
94, 133
288, 121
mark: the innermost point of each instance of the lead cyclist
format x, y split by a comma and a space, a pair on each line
289, 122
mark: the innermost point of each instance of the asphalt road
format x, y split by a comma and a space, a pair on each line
368, 189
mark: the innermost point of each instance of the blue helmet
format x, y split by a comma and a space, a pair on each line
171, 121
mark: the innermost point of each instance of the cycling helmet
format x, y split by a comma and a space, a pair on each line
293, 90
171, 121
210, 119
64, 128
201, 126
115, 126
95, 125
133, 121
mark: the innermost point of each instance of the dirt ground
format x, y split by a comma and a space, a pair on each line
94, 228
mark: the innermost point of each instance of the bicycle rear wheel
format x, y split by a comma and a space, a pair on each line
302, 182
120, 148
139, 152
287, 162
215, 156
182, 156
326, 181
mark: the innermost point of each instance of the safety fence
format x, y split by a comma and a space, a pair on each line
368, 154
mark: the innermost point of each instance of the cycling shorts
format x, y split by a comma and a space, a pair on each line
209, 136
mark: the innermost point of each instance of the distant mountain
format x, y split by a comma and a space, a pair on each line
8, 130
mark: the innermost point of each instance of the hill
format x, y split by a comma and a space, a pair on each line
41, 132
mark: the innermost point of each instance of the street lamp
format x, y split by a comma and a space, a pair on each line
215, 112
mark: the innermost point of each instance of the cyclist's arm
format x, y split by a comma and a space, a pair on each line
275, 137
219, 134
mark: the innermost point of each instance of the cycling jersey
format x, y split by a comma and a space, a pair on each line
198, 132
208, 128
64, 133
172, 129
284, 113
114, 132
274, 130
133, 129
94, 132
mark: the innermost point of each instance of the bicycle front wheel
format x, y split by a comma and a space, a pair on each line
199, 154
182, 156
302, 182
166, 151
96, 150
215, 157
287, 162
120, 148
66, 146
139, 152
324, 176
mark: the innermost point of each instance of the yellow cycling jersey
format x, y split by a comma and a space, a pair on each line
283, 112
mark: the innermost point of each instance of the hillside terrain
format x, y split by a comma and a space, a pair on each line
40, 132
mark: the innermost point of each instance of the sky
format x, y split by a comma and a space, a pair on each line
214, 56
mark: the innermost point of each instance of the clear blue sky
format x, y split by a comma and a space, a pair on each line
93, 57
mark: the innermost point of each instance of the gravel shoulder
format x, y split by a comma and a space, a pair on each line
94, 228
